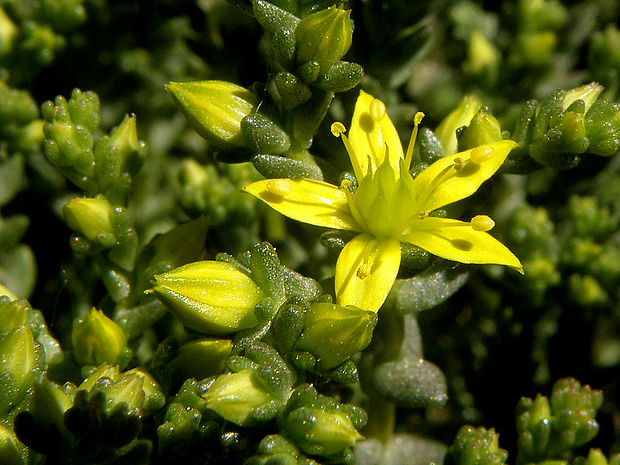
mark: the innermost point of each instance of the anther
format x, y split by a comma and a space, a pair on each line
377, 109
363, 271
279, 187
338, 128
459, 164
481, 154
482, 223
345, 184
423, 215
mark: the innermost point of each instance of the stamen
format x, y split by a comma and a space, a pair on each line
344, 185
417, 119
338, 129
279, 187
377, 109
423, 214
459, 164
481, 154
364, 270
482, 223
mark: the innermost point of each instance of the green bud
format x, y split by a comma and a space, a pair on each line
333, 333
236, 397
49, 404
10, 451
215, 109
540, 15
321, 432
483, 58
14, 312
91, 217
8, 33
535, 48
595, 457
589, 93
118, 157
459, 117
483, 129
21, 362
604, 52
477, 446
137, 390
97, 339
342, 76
203, 358
324, 37
154, 399
586, 290
103, 371
210, 296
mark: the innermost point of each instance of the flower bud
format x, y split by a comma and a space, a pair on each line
333, 333
483, 129
209, 296
215, 109
459, 117
10, 453
21, 362
8, 33
483, 58
203, 358
324, 37
321, 432
238, 396
589, 93
92, 218
474, 446
14, 312
97, 340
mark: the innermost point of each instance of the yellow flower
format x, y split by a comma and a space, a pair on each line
390, 206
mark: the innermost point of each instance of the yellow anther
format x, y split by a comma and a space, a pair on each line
363, 271
377, 109
459, 164
482, 223
423, 214
481, 154
417, 119
345, 184
279, 187
338, 128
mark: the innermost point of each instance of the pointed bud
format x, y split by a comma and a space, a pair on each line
21, 362
215, 109
209, 296
589, 93
14, 312
91, 217
202, 358
10, 451
483, 58
321, 432
238, 396
483, 129
49, 404
333, 333
97, 339
324, 37
459, 117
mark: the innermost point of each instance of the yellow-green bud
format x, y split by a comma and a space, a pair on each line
97, 339
483, 58
324, 37
589, 93
459, 117
209, 296
483, 129
215, 109
203, 358
9, 449
112, 372
333, 333
14, 312
128, 389
237, 396
8, 33
49, 403
323, 433
21, 361
92, 218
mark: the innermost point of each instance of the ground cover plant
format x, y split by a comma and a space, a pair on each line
304, 231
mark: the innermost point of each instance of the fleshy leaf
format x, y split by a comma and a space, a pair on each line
458, 241
306, 200
366, 270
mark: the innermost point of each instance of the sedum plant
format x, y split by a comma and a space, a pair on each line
193, 269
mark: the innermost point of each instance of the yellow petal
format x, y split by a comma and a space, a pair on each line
456, 177
306, 200
366, 270
458, 241
371, 134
